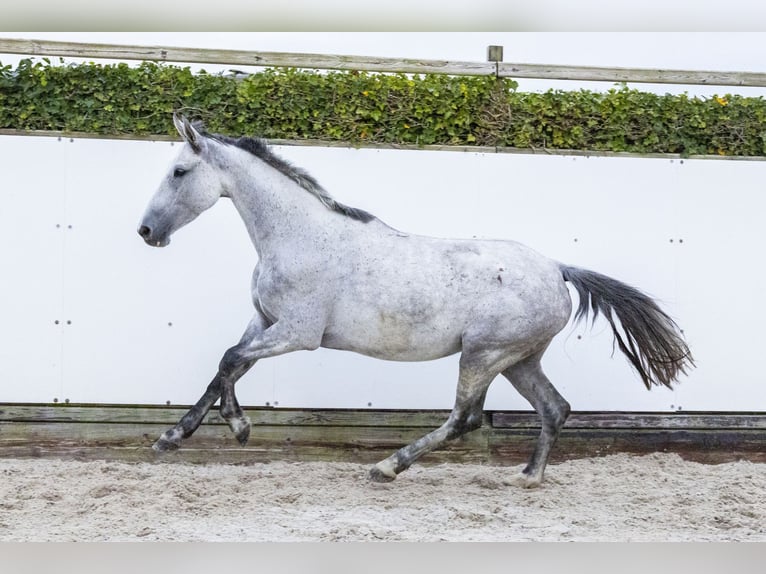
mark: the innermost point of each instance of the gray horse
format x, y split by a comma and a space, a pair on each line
332, 276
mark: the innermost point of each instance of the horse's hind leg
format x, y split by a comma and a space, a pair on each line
528, 378
466, 416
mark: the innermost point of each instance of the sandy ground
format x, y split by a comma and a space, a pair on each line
658, 497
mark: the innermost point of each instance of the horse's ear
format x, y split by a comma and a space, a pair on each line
188, 133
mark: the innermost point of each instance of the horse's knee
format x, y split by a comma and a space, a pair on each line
473, 421
464, 423
232, 359
555, 415
562, 412
234, 363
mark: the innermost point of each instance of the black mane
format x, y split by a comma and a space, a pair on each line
260, 148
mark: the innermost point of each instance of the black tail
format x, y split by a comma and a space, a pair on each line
652, 342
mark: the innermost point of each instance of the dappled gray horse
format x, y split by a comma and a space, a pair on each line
332, 276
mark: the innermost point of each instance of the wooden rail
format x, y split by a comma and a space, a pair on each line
375, 64
506, 437
410, 147
632, 75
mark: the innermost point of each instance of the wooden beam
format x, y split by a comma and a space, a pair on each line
639, 421
169, 415
407, 147
378, 64
631, 75
243, 58
126, 432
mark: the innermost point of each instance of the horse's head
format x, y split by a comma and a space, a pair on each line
192, 185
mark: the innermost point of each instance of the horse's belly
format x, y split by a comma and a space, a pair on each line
395, 339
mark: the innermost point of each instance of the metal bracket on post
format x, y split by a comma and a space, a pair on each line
495, 54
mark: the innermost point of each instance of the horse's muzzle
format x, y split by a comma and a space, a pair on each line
147, 235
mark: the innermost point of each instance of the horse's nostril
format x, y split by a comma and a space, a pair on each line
144, 231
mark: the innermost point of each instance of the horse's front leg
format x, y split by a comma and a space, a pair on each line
261, 340
171, 438
231, 369
222, 386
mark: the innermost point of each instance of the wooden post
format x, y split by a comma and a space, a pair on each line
494, 53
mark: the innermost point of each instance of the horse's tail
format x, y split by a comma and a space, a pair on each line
651, 340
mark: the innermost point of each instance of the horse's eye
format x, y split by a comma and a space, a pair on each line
179, 171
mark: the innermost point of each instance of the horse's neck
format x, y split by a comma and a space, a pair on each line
278, 213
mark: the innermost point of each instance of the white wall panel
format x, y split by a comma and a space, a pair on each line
32, 233
150, 325
722, 283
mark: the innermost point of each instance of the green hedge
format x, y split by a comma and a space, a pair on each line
358, 107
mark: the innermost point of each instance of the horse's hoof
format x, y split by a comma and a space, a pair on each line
525, 481
241, 429
165, 445
243, 435
377, 475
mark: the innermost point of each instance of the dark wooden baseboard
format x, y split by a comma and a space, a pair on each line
126, 432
